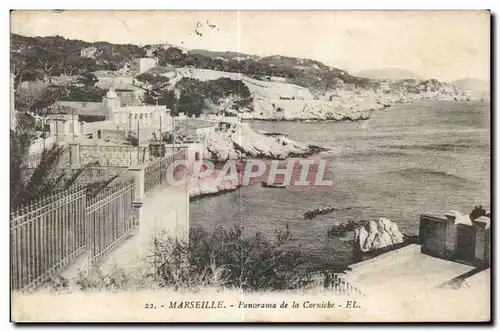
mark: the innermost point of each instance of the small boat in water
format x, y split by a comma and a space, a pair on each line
275, 185
313, 213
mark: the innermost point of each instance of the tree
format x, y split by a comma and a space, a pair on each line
228, 258
155, 86
156, 82
223, 94
91, 94
32, 96
228, 93
88, 80
49, 96
20, 68
191, 103
170, 99
44, 60
27, 185
171, 55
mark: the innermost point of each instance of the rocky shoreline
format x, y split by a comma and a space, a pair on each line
326, 119
244, 142
247, 143
348, 107
216, 192
210, 186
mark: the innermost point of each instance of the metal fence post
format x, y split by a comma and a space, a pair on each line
138, 174
75, 154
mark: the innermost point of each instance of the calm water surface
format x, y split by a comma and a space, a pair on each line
427, 157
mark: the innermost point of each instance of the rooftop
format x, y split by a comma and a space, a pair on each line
105, 73
118, 85
60, 116
78, 107
103, 125
79, 104
194, 123
146, 107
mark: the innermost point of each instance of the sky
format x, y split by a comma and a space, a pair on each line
446, 45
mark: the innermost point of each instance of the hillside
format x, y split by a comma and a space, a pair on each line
37, 54
311, 74
225, 55
192, 81
388, 74
259, 89
304, 64
472, 84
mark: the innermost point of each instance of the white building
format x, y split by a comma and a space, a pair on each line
88, 52
64, 125
121, 119
125, 116
144, 64
146, 116
196, 129
349, 87
385, 86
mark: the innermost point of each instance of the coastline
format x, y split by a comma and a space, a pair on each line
420, 103
209, 186
194, 197
251, 143
352, 108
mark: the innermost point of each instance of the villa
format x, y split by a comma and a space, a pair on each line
117, 118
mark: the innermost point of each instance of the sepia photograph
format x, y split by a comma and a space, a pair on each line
250, 166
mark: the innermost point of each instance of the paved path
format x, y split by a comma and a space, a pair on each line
165, 209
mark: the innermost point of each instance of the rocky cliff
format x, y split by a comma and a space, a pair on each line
312, 110
341, 106
244, 142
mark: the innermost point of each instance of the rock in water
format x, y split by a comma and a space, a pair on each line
377, 235
341, 228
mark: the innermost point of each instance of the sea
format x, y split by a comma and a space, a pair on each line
426, 157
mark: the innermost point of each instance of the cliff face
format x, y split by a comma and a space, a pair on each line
377, 234
300, 110
247, 143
